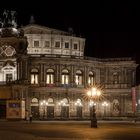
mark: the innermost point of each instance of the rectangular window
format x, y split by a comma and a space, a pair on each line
90, 80
50, 79
78, 80
75, 47
47, 44
66, 45
8, 77
34, 78
65, 79
36, 43
57, 44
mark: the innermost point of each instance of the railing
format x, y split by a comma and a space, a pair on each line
81, 57
117, 85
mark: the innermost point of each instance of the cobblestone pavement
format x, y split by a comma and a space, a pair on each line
68, 130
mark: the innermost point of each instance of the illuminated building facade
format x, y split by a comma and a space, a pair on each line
47, 68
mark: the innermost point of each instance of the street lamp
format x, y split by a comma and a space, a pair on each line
94, 94
104, 104
43, 105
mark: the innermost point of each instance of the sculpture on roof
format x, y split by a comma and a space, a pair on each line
8, 19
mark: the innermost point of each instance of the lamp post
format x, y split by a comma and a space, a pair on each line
43, 105
104, 104
94, 93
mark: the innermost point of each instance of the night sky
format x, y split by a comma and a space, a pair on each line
111, 29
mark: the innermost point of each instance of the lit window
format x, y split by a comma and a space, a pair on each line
50, 76
65, 77
34, 76
78, 78
91, 78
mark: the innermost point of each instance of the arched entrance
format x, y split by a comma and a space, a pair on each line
64, 108
78, 104
35, 108
2, 109
50, 109
115, 107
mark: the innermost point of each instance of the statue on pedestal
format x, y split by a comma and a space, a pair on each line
8, 19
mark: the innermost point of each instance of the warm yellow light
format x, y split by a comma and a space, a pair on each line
93, 91
104, 103
98, 92
89, 93
76, 80
89, 82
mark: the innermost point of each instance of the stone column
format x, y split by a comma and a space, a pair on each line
20, 70
70, 46
85, 76
71, 75
17, 70
26, 70
42, 74
57, 76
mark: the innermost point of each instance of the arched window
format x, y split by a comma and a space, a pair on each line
116, 106
34, 76
78, 77
78, 102
34, 100
50, 100
115, 78
50, 76
91, 78
65, 76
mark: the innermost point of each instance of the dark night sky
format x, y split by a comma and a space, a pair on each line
111, 29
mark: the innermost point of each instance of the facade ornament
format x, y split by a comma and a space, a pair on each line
32, 20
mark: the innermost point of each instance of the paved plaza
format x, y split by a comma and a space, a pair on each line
69, 130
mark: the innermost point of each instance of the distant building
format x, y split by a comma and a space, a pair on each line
47, 68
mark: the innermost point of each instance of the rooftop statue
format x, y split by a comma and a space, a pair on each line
8, 19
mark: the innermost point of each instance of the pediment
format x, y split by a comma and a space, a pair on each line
37, 29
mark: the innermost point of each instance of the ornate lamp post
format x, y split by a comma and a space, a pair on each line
94, 94
43, 105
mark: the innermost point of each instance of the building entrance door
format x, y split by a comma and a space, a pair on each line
65, 112
2, 111
35, 112
50, 112
79, 112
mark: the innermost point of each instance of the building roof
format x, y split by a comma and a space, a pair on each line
39, 29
